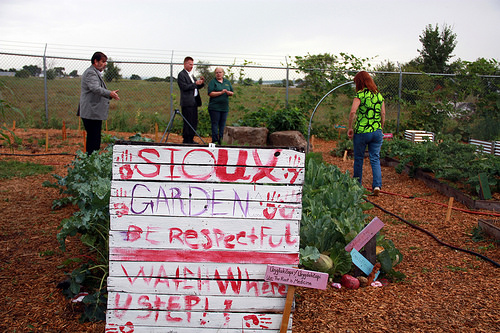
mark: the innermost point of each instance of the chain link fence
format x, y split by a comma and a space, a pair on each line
44, 91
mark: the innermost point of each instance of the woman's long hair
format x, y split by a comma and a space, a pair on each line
364, 80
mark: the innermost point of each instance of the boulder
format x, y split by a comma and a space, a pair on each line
289, 139
242, 135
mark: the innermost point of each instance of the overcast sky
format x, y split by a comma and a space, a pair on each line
265, 32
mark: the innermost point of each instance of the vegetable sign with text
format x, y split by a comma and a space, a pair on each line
193, 230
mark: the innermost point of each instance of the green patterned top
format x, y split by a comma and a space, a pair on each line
368, 115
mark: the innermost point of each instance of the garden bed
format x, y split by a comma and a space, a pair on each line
444, 290
445, 189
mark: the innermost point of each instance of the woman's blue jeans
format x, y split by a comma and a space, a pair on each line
218, 122
374, 141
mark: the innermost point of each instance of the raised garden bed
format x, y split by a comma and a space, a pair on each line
445, 189
490, 227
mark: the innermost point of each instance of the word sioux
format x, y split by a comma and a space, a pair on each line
218, 166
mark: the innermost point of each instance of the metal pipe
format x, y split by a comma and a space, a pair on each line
399, 95
314, 111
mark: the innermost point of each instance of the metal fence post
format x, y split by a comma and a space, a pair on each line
399, 96
287, 82
172, 84
45, 86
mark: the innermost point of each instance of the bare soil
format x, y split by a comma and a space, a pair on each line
444, 291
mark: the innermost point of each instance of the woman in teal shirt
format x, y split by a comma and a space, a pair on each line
219, 90
368, 117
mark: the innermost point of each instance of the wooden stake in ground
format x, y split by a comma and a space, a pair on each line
294, 277
13, 126
47, 141
450, 207
84, 141
106, 126
345, 155
156, 132
288, 309
64, 131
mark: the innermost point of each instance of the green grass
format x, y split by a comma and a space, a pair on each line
144, 103
10, 169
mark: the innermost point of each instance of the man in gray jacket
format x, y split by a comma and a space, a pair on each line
94, 101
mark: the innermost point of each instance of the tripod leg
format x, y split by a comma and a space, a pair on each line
169, 126
187, 122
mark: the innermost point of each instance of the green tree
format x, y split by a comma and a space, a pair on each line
437, 48
135, 77
23, 73
33, 70
112, 72
51, 74
323, 72
59, 71
204, 70
74, 73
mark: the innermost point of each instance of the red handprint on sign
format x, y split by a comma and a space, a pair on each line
121, 209
257, 320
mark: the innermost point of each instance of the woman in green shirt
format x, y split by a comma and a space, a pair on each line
368, 116
219, 90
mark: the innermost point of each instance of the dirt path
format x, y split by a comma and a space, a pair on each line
444, 290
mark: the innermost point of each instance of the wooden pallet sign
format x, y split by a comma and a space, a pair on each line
192, 232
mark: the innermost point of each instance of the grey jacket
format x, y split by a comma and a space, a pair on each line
94, 98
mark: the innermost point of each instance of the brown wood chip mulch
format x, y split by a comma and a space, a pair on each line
444, 291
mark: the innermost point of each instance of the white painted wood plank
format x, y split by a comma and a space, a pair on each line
204, 155
216, 191
205, 239
197, 320
113, 328
195, 303
209, 173
214, 256
177, 286
205, 208
154, 223
187, 270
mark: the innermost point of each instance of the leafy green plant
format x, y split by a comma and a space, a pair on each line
342, 146
87, 185
450, 160
288, 119
332, 215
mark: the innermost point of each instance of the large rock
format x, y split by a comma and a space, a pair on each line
252, 136
289, 139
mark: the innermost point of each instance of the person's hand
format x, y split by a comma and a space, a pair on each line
229, 93
114, 94
350, 133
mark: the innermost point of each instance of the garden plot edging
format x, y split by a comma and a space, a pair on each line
446, 189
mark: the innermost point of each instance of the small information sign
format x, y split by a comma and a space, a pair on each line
296, 277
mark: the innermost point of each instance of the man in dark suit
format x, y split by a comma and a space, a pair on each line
94, 101
190, 99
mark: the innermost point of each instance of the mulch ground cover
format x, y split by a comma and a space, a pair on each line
445, 290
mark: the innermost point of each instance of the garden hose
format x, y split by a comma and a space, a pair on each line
433, 236
46, 154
